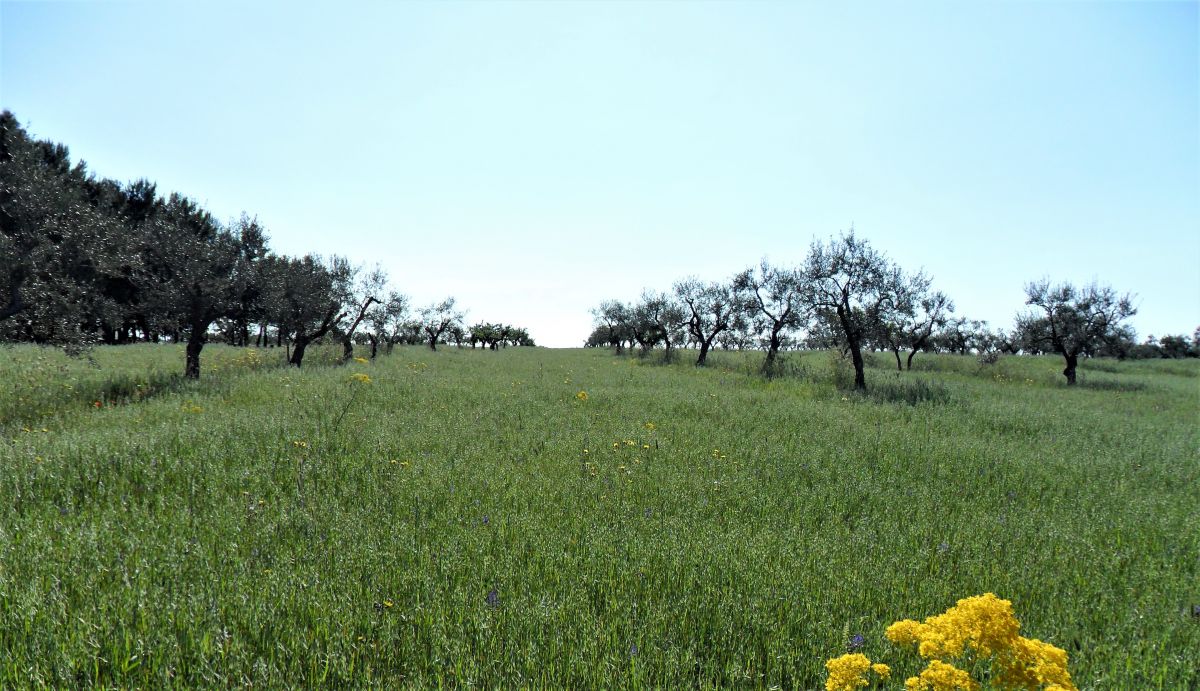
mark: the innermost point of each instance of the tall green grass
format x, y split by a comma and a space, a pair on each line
466, 519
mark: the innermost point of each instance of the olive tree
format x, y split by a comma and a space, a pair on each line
713, 308
661, 317
437, 319
248, 307
774, 308
519, 336
366, 291
643, 329
918, 315
386, 321
192, 260
55, 245
486, 333
856, 286
305, 299
931, 313
612, 319
962, 335
1074, 321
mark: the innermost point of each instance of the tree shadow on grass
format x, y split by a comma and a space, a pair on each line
1111, 385
123, 389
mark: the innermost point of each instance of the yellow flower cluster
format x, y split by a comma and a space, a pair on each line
984, 623
582, 396
849, 672
361, 360
985, 626
975, 630
941, 676
360, 378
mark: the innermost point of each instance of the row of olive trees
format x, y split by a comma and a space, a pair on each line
845, 292
847, 295
1171, 347
391, 322
443, 323
88, 260
85, 260
493, 336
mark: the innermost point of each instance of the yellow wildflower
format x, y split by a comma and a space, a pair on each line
582, 396
903, 632
984, 623
849, 672
360, 378
986, 626
882, 670
361, 360
1030, 663
941, 676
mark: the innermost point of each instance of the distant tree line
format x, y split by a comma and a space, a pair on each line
87, 260
847, 296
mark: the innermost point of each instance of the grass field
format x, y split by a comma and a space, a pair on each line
472, 518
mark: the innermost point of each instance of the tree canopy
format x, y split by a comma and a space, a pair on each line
1074, 321
87, 260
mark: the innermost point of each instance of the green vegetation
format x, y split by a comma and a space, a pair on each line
467, 517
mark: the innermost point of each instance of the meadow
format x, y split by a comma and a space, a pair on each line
573, 519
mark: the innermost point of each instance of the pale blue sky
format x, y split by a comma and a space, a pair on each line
533, 159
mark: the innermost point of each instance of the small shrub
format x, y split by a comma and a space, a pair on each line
787, 365
989, 357
841, 372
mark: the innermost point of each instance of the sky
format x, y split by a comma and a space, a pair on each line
533, 159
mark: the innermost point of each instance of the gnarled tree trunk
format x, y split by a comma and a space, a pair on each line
773, 349
347, 343
704, 347
1072, 363
195, 344
302, 339
853, 340
860, 378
